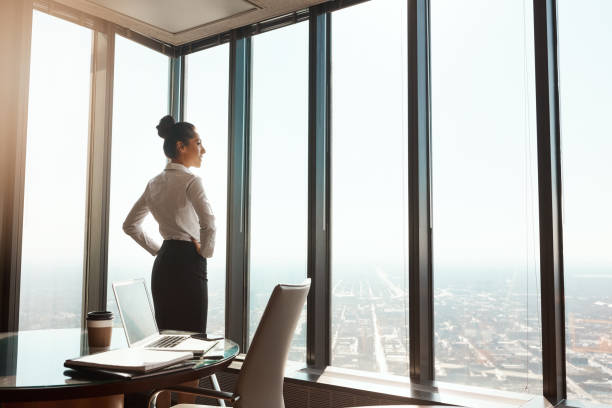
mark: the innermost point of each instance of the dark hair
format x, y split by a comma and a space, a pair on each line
173, 132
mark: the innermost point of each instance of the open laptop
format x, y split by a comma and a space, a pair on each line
138, 320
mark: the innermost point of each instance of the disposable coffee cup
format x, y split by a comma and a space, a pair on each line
99, 328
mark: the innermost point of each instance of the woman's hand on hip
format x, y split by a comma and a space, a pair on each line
196, 244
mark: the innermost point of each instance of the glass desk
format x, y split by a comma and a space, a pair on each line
32, 369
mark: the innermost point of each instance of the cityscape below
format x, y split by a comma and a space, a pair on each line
486, 332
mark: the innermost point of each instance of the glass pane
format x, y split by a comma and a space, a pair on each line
206, 105
140, 100
369, 197
279, 170
56, 175
585, 63
485, 204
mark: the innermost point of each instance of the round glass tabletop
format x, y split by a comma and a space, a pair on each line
35, 358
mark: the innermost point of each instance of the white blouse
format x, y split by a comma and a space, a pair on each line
178, 203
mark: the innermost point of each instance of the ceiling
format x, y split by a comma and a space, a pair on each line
177, 22
178, 15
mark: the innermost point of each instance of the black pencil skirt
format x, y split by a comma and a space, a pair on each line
179, 286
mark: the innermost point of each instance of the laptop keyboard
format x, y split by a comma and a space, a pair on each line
167, 341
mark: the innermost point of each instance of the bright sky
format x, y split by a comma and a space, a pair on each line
57, 142
585, 62
279, 153
368, 138
484, 170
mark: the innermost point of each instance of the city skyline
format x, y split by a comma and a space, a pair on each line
369, 328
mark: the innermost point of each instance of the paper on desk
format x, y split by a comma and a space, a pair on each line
130, 359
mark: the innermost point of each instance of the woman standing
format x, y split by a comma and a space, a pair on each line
178, 203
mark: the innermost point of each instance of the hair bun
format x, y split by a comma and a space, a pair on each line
166, 124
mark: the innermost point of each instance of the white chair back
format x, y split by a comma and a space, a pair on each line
260, 383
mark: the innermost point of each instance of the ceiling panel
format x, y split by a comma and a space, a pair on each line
177, 15
178, 22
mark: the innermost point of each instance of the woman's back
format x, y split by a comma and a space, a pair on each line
168, 197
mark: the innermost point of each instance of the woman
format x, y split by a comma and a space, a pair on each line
178, 203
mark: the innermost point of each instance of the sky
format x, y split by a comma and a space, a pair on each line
482, 100
369, 165
57, 142
482, 104
585, 63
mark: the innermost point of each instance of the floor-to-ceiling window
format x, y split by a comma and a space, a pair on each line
369, 187
279, 170
484, 183
484, 195
56, 175
585, 63
140, 99
206, 106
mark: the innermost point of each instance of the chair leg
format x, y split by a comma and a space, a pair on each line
215, 383
163, 400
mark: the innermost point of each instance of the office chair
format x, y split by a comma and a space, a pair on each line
260, 382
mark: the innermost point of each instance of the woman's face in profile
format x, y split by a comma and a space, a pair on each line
191, 154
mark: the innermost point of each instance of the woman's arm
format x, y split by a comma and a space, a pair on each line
133, 225
201, 205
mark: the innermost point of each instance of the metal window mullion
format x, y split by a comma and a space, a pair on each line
95, 271
549, 189
237, 278
176, 103
319, 302
419, 208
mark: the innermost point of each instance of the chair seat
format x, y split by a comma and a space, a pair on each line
193, 406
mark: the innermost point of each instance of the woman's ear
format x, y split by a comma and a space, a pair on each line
180, 146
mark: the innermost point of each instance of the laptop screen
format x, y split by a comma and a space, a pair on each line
136, 311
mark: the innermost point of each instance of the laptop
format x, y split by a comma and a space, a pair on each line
136, 311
